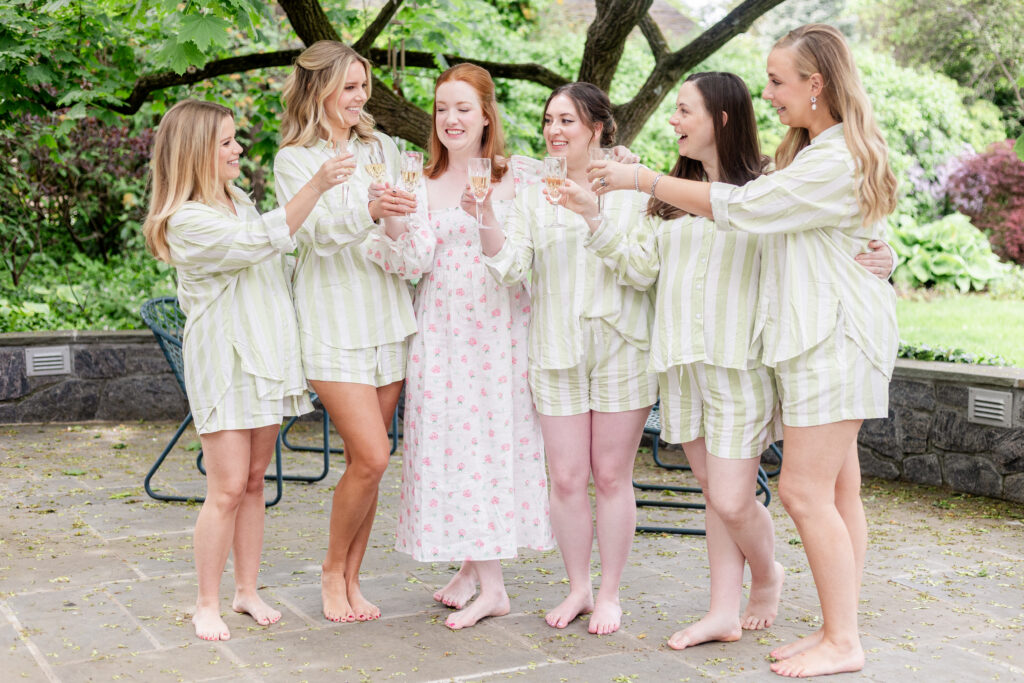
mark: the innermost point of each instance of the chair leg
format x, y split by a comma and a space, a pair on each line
325, 448
147, 482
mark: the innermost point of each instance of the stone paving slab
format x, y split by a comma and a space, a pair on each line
97, 583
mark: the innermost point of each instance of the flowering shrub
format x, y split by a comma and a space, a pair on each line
989, 188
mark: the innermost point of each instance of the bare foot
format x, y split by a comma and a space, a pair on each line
763, 604
607, 618
487, 605
723, 628
797, 646
209, 625
821, 660
573, 606
253, 605
459, 590
363, 608
334, 594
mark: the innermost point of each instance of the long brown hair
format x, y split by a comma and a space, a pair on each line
183, 166
736, 144
593, 106
319, 71
493, 141
821, 49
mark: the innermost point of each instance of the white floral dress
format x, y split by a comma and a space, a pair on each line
474, 485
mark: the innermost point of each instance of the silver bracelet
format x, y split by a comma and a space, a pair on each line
636, 177
654, 184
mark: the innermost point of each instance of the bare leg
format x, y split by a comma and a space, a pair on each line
851, 509
461, 588
567, 445
493, 600
616, 437
248, 542
227, 473
355, 412
387, 398
815, 456
726, 562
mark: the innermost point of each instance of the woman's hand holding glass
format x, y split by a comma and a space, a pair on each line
335, 171
577, 199
606, 176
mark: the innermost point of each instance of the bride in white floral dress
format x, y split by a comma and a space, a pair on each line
474, 485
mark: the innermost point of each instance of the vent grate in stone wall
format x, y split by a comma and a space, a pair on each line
989, 407
48, 360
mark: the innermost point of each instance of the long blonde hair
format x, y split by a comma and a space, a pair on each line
183, 166
821, 49
319, 71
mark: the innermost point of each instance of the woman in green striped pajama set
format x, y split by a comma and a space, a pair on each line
717, 398
241, 370
828, 327
353, 317
588, 344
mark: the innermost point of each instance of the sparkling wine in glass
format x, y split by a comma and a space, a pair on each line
601, 154
411, 171
479, 181
554, 177
375, 165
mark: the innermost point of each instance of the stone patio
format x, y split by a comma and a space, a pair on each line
96, 583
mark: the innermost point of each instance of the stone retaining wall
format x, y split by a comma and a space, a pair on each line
114, 376
927, 438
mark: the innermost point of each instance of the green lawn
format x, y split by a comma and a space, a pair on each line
974, 323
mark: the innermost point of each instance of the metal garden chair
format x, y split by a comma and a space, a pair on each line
167, 322
653, 429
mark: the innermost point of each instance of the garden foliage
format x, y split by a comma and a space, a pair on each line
949, 252
989, 187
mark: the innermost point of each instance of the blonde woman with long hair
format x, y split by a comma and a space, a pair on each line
241, 369
353, 316
828, 326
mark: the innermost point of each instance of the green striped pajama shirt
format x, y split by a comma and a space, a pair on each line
703, 344
569, 286
812, 227
240, 340
343, 301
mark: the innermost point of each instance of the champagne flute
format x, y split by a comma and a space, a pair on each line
479, 180
341, 149
601, 154
375, 164
411, 171
554, 176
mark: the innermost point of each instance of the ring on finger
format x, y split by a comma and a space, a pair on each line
604, 183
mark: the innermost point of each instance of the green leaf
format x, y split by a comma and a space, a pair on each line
1019, 147
205, 30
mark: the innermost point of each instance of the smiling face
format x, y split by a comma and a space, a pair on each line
228, 151
458, 117
694, 125
345, 104
566, 133
787, 91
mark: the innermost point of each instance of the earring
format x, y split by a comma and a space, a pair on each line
814, 103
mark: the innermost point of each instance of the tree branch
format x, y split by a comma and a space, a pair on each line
524, 72
309, 20
365, 41
606, 39
631, 116
166, 79
655, 38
